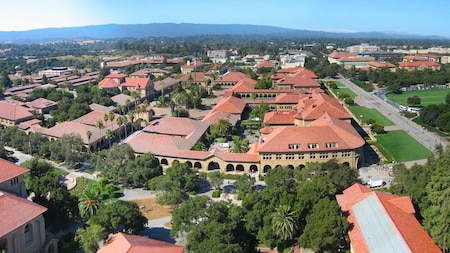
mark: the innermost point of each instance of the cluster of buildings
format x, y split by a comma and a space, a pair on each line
366, 57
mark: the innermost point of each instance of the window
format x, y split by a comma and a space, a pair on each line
331, 145
28, 234
290, 156
312, 156
267, 156
294, 146
313, 145
323, 155
345, 153
334, 155
301, 156
278, 156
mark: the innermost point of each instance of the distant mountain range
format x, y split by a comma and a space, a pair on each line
114, 31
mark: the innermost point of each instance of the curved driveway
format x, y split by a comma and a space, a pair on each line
428, 139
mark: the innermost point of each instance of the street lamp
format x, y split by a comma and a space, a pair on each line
361, 117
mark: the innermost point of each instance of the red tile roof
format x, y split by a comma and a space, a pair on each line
125, 243
216, 116
168, 82
244, 85
231, 105
313, 106
338, 55
299, 82
418, 64
108, 83
16, 212
399, 211
196, 77
176, 126
41, 103
232, 77
70, 127
379, 64
280, 118
325, 130
136, 82
91, 119
305, 72
9, 170
265, 64
12, 111
237, 157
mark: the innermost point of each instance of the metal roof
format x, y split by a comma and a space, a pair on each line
379, 232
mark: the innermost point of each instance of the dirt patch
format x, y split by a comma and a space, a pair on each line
151, 209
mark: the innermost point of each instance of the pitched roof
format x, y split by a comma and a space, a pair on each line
305, 72
279, 118
16, 212
196, 77
116, 75
383, 222
108, 83
418, 64
97, 107
41, 103
70, 127
379, 64
136, 82
313, 106
120, 99
176, 126
244, 85
167, 82
214, 117
326, 130
9, 170
338, 55
367, 59
12, 111
91, 119
230, 104
125, 243
231, 77
265, 64
299, 82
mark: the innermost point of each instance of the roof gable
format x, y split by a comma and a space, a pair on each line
125, 243
9, 170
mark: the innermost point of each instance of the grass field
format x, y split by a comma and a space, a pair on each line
344, 90
433, 96
402, 147
369, 113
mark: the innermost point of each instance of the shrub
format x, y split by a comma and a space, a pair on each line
241, 195
216, 194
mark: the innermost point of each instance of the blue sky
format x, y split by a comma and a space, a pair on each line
401, 16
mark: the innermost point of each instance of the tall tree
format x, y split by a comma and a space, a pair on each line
88, 203
90, 236
284, 224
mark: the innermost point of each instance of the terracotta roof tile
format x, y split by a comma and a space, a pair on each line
418, 64
265, 64
196, 77
313, 106
215, 116
279, 118
11, 111
299, 82
338, 55
16, 212
379, 64
325, 130
108, 83
9, 170
136, 82
231, 105
232, 77
41, 103
125, 243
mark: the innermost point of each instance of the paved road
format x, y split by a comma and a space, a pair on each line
429, 140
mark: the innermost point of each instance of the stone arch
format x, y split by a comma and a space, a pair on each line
3, 244
239, 167
213, 166
230, 167
301, 166
189, 163
197, 165
253, 168
346, 164
278, 166
266, 168
164, 161
290, 166
175, 162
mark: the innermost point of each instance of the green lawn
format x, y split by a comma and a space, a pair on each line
370, 113
344, 90
402, 147
27, 164
339, 84
433, 96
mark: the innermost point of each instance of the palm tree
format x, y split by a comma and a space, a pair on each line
283, 223
253, 96
88, 203
89, 134
99, 125
127, 104
108, 135
131, 115
120, 122
111, 117
134, 95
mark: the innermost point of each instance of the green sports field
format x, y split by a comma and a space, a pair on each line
402, 147
344, 90
369, 113
433, 96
